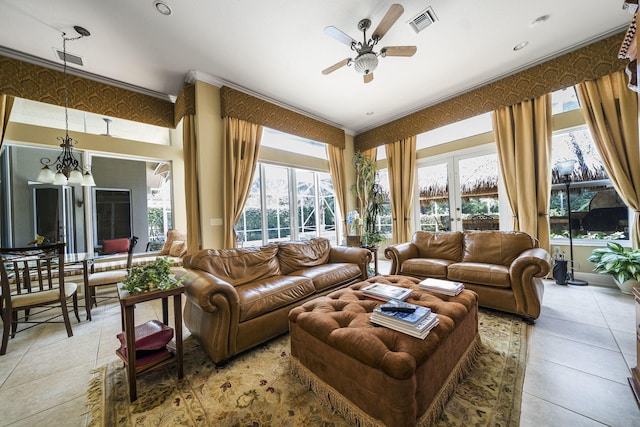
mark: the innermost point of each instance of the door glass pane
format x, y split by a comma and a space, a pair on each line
479, 192
249, 226
277, 203
306, 204
327, 208
433, 185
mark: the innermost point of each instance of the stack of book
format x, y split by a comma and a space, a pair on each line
152, 344
386, 292
401, 316
440, 286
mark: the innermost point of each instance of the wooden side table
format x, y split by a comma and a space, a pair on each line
127, 306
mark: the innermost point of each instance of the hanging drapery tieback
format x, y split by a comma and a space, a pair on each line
393, 219
543, 214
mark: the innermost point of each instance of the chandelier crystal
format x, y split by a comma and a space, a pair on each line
66, 166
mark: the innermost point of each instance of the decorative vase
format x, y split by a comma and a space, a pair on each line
627, 286
559, 272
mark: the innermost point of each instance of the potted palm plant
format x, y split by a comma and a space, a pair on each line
623, 265
370, 198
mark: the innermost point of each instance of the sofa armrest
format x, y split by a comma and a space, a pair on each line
399, 253
212, 312
359, 256
525, 273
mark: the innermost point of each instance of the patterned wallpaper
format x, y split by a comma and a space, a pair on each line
37, 83
249, 108
590, 62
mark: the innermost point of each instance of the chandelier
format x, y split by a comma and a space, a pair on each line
67, 167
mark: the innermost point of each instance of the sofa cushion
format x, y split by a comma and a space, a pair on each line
495, 247
426, 267
173, 235
269, 294
237, 266
330, 275
300, 255
444, 245
115, 246
482, 274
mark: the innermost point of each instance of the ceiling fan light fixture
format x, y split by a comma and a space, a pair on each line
366, 63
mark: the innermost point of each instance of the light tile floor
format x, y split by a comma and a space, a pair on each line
580, 352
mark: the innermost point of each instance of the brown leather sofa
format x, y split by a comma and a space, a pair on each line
239, 298
504, 267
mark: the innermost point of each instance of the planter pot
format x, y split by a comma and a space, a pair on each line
354, 241
627, 287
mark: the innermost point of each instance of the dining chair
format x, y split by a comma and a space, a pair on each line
32, 285
108, 277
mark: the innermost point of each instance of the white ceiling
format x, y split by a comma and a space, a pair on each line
277, 48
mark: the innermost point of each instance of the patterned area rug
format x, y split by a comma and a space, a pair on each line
257, 389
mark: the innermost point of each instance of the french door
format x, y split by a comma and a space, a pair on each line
53, 214
459, 192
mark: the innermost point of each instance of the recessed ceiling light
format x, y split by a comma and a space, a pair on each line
369, 113
520, 46
162, 7
539, 20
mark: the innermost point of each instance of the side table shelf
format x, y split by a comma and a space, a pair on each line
634, 379
127, 306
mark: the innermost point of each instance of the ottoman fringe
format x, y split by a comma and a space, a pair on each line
464, 366
354, 415
332, 398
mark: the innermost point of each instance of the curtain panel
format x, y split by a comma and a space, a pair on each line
401, 157
611, 112
191, 183
338, 176
523, 139
240, 146
6, 103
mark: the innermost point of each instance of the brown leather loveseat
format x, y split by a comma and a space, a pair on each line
239, 298
504, 267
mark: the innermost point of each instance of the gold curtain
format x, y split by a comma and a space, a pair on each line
611, 112
523, 138
191, 183
336, 168
401, 158
6, 103
240, 147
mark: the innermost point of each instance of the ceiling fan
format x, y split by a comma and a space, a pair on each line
366, 59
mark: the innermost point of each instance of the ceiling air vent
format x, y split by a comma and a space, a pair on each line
71, 58
423, 20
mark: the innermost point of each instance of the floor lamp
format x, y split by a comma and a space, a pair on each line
565, 170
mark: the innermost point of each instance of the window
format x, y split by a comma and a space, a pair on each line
275, 213
385, 222
287, 142
597, 212
112, 210
564, 100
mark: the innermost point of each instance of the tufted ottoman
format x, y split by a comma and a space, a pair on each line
377, 376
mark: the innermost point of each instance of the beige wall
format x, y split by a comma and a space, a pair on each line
209, 134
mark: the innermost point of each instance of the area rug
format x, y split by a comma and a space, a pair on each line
257, 389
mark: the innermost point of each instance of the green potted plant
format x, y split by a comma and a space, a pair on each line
370, 198
155, 276
623, 265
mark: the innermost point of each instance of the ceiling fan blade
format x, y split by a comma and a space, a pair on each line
339, 35
368, 77
336, 66
394, 12
398, 51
